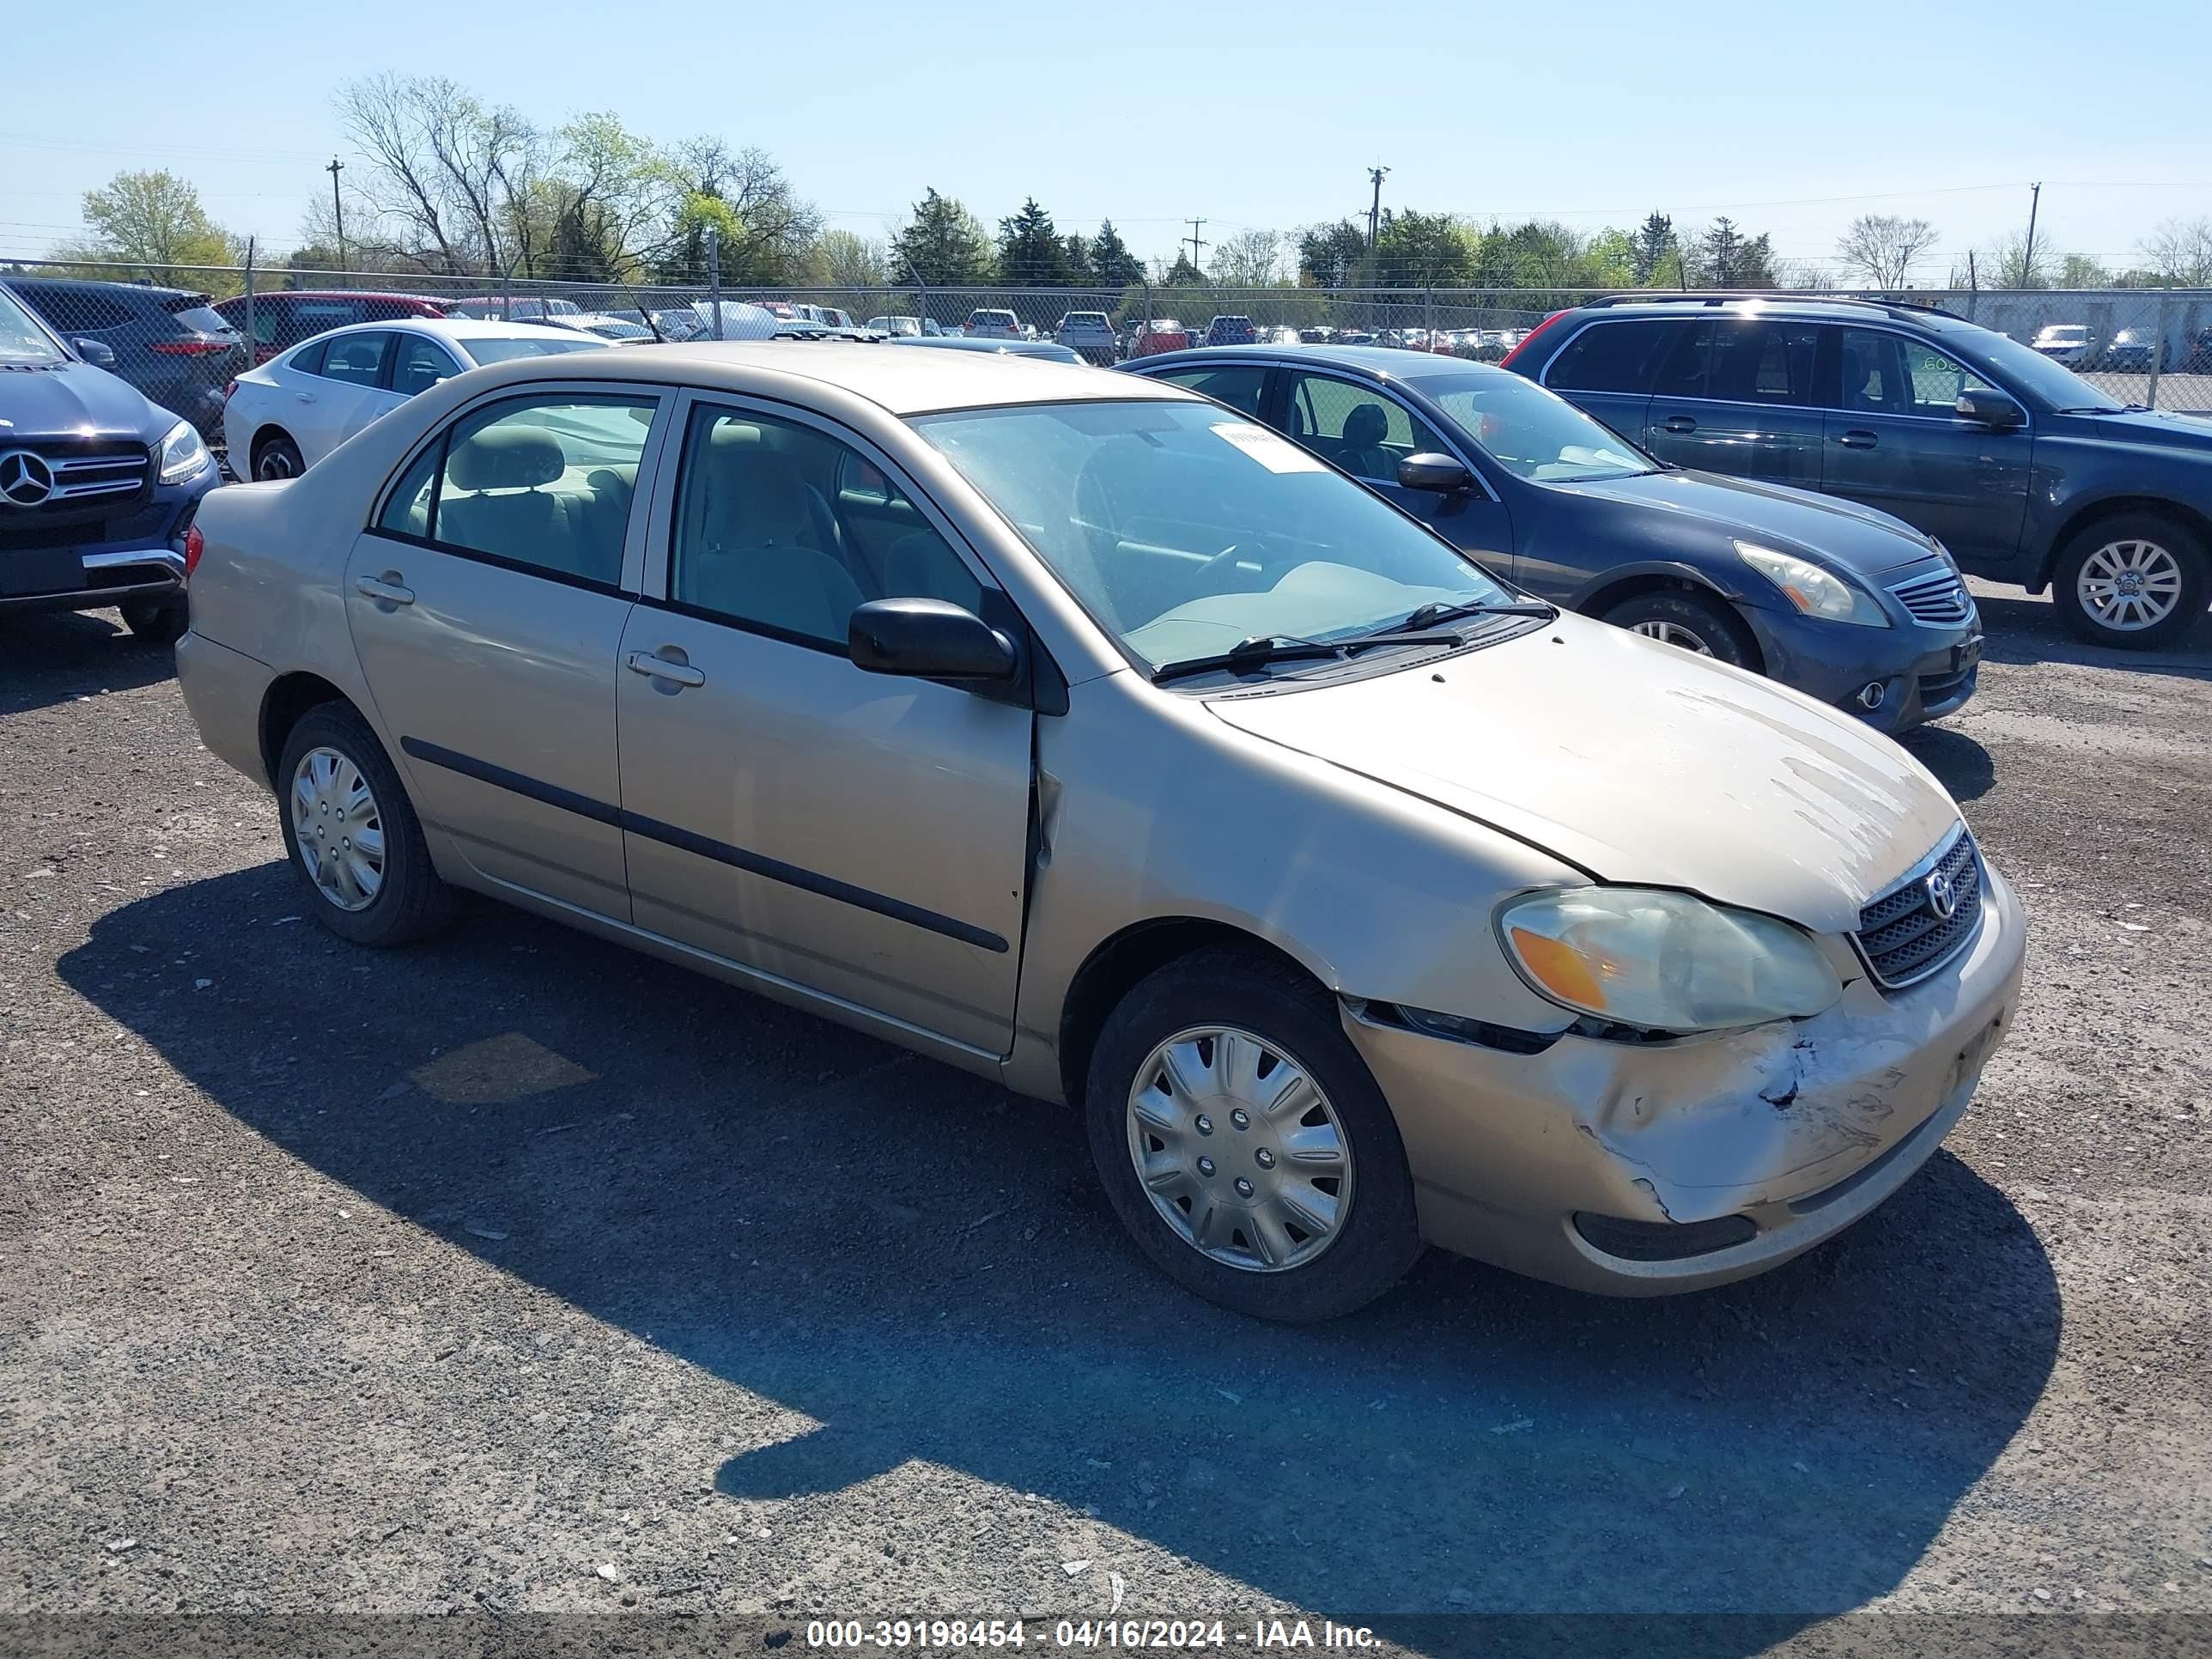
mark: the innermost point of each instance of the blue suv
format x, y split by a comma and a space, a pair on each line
2024, 470
98, 487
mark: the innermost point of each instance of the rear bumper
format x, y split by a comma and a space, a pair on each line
1723, 1156
223, 691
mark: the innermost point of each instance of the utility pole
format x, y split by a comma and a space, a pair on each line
1196, 243
338, 206
1374, 207
2027, 254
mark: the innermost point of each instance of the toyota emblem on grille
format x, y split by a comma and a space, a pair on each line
1942, 896
25, 479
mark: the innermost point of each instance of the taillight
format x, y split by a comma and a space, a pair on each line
195, 544
229, 389
1530, 338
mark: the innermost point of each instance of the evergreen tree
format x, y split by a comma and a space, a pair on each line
943, 244
1183, 274
1112, 264
1729, 258
1030, 252
1332, 255
1656, 258
1080, 272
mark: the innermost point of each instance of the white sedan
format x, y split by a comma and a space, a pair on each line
281, 418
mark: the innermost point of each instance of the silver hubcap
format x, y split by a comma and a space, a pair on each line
276, 463
2129, 586
1672, 633
337, 829
1239, 1149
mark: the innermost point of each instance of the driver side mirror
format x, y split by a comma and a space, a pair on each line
1986, 407
928, 640
96, 352
1440, 473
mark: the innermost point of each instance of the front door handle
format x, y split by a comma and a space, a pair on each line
390, 588
1857, 438
305, 397
1680, 423
663, 668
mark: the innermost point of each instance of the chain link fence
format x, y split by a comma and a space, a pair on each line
181, 334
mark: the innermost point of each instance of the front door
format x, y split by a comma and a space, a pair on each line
1895, 442
861, 837
344, 392
486, 609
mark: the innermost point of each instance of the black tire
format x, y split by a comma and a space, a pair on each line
2187, 552
1717, 628
157, 621
276, 456
412, 903
1379, 1239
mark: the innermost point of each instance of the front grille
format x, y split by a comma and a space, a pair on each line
1903, 936
87, 472
1939, 598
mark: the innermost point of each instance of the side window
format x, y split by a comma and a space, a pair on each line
409, 508
1361, 430
1612, 357
1240, 388
542, 484
1934, 380
1762, 362
309, 361
759, 539
422, 364
356, 359
1682, 370
1885, 373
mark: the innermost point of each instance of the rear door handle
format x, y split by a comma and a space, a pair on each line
1680, 423
387, 589
304, 396
1857, 438
661, 668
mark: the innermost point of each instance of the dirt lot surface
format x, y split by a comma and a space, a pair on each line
518, 1272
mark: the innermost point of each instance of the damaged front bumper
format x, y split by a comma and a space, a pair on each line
1637, 1169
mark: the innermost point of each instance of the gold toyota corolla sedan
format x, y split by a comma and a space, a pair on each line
1078, 732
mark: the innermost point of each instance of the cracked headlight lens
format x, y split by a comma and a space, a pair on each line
1663, 961
1815, 592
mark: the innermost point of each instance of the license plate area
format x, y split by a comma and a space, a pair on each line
27, 570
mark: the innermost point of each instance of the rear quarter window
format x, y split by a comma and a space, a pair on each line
1612, 357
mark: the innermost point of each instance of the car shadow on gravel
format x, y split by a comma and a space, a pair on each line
54, 656
919, 1264
2021, 629
1961, 764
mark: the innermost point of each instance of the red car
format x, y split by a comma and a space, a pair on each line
1160, 334
287, 316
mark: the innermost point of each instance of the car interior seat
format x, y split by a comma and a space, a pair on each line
494, 500
1362, 453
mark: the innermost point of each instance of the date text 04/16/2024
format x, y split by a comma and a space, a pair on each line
1166, 1634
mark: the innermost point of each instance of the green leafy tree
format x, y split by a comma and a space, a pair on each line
839, 258
943, 244
1610, 258
1030, 252
153, 219
1423, 249
1112, 264
1333, 255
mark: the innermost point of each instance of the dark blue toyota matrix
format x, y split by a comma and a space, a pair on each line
97, 485
1845, 603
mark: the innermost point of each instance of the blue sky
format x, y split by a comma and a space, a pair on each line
1790, 119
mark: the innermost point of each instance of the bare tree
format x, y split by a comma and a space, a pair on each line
766, 227
1883, 247
2180, 251
840, 258
1250, 258
443, 176
2007, 264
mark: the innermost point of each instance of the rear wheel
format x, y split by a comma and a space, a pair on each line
1691, 621
355, 843
158, 622
276, 457
1244, 1145
2137, 581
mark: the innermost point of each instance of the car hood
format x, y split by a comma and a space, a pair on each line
2163, 428
75, 400
1638, 761
1857, 538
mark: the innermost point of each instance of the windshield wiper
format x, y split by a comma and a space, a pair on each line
1439, 610
1250, 653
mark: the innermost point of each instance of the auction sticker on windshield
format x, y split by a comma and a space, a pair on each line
1276, 454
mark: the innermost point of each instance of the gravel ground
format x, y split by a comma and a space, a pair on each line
518, 1272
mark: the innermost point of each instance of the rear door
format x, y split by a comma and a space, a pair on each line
861, 837
487, 607
1741, 395
1895, 442
346, 395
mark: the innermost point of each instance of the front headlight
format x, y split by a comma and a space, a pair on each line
1663, 961
182, 454
1815, 592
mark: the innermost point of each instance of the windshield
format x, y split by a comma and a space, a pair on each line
500, 351
2058, 386
1184, 529
1532, 433
22, 339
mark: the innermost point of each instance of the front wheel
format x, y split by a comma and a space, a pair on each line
1675, 616
1242, 1142
157, 621
2137, 581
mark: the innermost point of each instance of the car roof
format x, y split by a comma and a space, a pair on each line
1387, 362
450, 328
56, 284
899, 382
1821, 307
336, 293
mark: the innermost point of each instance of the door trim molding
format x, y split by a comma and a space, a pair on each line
706, 847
